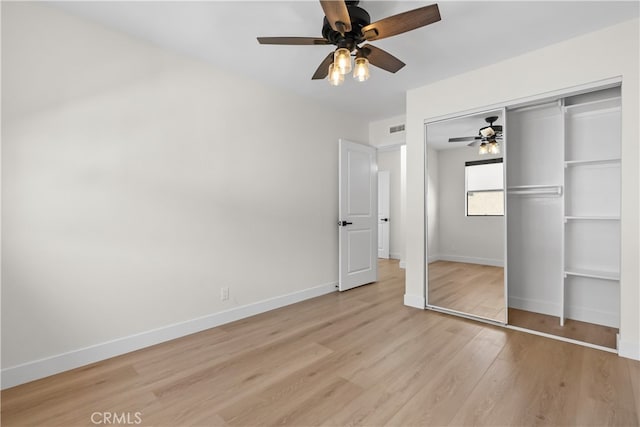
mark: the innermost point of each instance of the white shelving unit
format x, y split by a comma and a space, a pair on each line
591, 240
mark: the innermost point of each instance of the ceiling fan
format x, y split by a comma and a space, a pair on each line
347, 26
487, 137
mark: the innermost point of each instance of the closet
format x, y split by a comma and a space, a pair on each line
563, 216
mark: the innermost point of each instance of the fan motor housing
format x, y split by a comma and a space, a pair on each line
359, 18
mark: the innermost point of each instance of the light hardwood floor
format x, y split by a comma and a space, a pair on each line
355, 358
469, 288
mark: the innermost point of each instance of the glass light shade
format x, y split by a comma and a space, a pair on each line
494, 148
342, 60
336, 78
484, 149
361, 70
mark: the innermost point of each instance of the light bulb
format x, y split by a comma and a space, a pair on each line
483, 148
361, 70
494, 148
342, 60
335, 77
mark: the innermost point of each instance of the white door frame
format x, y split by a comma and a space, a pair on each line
384, 188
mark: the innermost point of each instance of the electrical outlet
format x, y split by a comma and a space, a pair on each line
224, 294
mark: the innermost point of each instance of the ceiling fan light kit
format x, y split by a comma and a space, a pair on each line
347, 26
487, 135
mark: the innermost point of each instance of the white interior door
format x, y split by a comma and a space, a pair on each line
383, 214
358, 211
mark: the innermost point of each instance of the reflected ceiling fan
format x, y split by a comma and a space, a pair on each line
487, 138
347, 26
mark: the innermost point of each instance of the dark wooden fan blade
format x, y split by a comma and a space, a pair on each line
337, 14
464, 139
381, 58
323, 69
401, 23
292, 40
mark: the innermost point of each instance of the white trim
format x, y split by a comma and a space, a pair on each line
395, 255
559, 338
37, 369
629, 349
536, 306
465, 315
389, 147
468, 260
403, 264
416, 301
521, 102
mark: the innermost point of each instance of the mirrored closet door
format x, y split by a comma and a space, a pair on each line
465, 196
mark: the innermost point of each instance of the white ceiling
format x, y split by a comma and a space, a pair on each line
470, 35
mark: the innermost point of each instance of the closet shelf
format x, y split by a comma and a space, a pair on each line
611, 161
593, 274
592, 218
599, 106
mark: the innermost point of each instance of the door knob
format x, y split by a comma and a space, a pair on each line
385, 219
344, 223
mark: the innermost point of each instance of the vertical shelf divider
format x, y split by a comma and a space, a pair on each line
563, 277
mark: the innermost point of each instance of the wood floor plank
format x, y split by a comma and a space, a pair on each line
316, 408
388, 391
606, 391
539, 387
56, 401
439, 400
354, 358
634, 377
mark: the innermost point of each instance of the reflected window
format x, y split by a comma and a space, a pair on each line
484, 187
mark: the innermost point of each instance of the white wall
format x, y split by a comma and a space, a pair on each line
600, 55
380, 136
462, 238
136, 183
390, 161
390, 157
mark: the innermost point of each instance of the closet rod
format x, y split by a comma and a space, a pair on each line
534, 190
556, 102
595, 103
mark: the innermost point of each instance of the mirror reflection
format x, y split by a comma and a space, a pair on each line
465, 215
